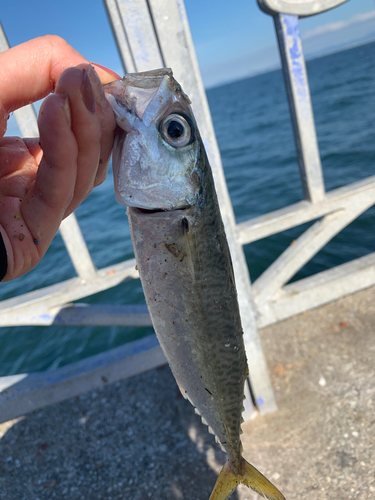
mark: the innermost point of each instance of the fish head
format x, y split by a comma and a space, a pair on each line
157, 146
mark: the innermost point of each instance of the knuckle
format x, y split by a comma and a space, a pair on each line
56, 41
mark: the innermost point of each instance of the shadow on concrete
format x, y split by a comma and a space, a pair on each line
135, 439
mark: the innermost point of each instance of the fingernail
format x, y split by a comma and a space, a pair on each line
66, 109
106, 74
97, 86
87, 92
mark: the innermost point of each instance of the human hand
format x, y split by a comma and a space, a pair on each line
43, 180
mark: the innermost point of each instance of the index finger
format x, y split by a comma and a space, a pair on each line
29, 71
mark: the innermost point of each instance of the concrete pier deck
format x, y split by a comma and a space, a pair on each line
138, 439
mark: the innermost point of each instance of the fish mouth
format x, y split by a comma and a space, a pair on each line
156, 211
151, 211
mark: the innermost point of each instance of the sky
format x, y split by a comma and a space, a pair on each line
232, 39
242, 39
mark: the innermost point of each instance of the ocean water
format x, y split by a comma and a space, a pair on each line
252, 124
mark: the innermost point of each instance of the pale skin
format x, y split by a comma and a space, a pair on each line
43, 180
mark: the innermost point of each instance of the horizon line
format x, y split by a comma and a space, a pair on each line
279, 67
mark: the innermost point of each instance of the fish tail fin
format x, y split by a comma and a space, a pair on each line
228, 481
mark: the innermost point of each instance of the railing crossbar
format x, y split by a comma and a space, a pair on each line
299, 213
43, 299
304, 248
20, 394
319, 289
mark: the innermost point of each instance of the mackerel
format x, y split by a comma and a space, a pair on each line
162, 174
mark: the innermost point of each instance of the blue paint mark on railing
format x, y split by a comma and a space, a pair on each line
260, 401
295, 53
291, 24
46, 317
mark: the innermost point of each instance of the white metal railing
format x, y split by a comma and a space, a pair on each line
143, 31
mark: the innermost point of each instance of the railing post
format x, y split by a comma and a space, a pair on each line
120, 35
169, 23
297, 87
135, 36
77, 248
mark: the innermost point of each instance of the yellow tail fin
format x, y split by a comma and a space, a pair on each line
228, 481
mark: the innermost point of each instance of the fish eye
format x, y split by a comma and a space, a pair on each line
176, 131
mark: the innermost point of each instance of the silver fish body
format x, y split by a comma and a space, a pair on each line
162, 174
187, 278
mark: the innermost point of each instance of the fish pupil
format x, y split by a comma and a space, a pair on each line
175, 129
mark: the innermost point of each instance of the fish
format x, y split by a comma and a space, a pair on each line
163, 176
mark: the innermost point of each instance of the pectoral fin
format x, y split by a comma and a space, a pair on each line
228, 481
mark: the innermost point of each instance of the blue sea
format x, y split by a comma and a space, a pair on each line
253, 128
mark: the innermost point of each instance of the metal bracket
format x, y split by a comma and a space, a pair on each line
301, 8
